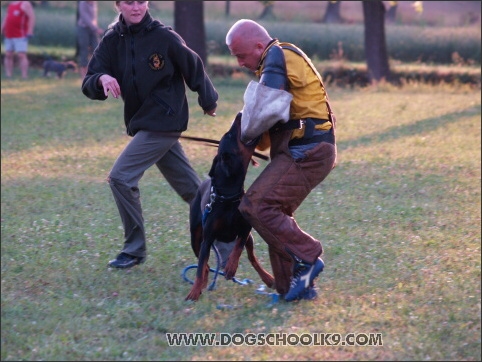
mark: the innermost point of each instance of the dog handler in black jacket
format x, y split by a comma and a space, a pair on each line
147, 64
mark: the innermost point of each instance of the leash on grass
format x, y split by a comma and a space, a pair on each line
215, 271
273, 297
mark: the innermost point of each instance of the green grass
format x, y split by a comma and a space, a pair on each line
399, 218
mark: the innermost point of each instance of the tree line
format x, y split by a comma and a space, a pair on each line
189, 23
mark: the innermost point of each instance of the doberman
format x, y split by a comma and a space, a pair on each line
214, 213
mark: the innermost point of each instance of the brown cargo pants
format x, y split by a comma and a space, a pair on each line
272, 199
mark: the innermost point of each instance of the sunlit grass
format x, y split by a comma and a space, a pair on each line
399, 218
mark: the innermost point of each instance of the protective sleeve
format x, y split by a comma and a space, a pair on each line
274, 73
263, 107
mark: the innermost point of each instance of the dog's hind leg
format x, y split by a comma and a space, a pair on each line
266, 277
195, 223
233, 259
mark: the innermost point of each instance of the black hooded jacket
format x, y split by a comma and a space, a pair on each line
152, 64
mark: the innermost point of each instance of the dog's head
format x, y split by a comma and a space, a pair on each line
233, 157
71, 65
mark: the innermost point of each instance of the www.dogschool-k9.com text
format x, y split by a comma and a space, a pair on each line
274, 339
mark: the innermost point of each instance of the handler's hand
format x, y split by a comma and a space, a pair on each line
211, 113
110, 85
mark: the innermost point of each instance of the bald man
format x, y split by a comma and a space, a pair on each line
288, 111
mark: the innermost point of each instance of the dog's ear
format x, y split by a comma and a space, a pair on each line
213, 166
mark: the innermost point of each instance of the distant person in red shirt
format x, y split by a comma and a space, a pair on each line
17, 28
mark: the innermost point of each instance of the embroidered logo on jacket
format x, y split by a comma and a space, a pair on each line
156, 61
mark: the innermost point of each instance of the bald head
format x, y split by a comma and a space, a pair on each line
249, 30
247, 41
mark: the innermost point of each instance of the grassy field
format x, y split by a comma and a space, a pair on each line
399, 218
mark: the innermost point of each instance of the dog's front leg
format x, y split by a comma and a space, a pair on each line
202, 273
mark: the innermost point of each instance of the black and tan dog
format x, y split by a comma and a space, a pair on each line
214, 213
58, 68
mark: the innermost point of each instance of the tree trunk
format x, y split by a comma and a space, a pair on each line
189, 24
375, 43
267, 10
77, 15
392, 12
227, 9
332, 14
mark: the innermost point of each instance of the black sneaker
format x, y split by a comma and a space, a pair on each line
302, 280
124, 261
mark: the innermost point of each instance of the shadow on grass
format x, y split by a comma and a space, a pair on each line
419, 127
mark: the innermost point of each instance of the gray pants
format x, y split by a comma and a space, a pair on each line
87, 41
144, 150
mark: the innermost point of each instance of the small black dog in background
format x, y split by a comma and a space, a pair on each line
58, 67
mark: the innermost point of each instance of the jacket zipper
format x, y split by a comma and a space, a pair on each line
133, 66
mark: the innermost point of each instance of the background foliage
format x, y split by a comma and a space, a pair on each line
408, 41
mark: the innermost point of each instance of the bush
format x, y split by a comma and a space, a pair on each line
433, 45
56, 27
404, 43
